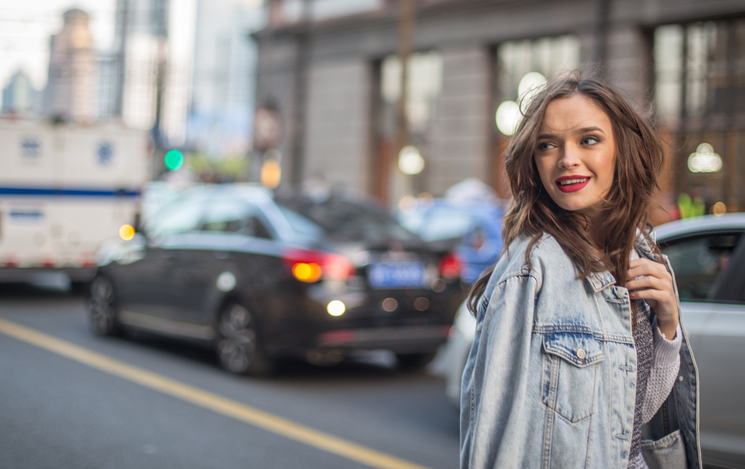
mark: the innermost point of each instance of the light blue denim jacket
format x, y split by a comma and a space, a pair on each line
550, 380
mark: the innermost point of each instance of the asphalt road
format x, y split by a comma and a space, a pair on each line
87, 402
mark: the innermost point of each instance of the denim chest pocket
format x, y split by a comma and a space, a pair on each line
570, 374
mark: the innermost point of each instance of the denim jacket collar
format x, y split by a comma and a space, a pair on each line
600, 280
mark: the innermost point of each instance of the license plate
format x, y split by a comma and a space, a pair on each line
396, 274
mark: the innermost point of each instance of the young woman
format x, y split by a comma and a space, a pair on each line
579, 358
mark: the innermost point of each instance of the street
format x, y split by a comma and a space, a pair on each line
87, 402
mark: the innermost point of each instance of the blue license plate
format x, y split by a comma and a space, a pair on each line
396, 274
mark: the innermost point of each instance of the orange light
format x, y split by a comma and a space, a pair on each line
126, 232
719, 209
271, 173
308, 265
307, 271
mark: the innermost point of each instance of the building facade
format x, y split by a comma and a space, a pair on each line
19, 95
332, 75
71, 84
145, 80
220, 116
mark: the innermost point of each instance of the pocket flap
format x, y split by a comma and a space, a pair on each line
666, 452
578, 349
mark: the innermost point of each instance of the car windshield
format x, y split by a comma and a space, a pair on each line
343, 220
445, 223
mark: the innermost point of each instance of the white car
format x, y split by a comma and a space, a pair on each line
708, 257
456, 351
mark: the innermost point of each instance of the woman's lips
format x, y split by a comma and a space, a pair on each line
572, 183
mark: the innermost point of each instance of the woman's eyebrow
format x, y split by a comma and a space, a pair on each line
589, 129
583, 130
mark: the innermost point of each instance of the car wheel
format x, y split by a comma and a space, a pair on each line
415, 360
238, 347
101, 308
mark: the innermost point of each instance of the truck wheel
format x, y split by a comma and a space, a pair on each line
238, 346
415, 360
101, 308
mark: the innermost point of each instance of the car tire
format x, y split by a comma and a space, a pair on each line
238, 344
102, 308
415, 360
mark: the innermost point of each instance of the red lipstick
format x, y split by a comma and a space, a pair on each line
572, 183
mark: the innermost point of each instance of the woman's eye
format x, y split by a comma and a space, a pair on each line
543, 146
590, 140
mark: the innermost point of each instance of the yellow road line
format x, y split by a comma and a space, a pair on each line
208, 400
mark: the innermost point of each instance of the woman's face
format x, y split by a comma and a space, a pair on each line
576, 153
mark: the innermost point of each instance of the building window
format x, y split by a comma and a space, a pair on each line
699, 69
422, 90
547, 56
699, 100
668, 51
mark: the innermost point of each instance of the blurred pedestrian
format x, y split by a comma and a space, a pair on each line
579, 358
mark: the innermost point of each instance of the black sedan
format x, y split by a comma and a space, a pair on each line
260, 278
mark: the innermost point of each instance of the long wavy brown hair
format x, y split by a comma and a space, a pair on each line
625, 209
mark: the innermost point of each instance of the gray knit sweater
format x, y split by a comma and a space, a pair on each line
658, 362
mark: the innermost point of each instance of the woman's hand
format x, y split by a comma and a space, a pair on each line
650, 281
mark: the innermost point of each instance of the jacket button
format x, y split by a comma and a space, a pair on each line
581, 354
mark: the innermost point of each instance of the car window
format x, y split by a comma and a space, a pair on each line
698, 261
178, 217
257, 228
344, 220
226, 215
445, 223
411, 220
300, 224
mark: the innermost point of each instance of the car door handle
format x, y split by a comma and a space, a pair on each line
222, 255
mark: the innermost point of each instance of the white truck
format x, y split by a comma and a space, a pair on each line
63, 190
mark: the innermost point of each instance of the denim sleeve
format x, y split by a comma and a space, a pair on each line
494, 385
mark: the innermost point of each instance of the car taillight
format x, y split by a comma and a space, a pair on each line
450, 266
310, 265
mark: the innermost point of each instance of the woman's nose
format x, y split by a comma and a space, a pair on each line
568, 158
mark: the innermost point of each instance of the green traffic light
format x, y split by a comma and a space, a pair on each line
174, 160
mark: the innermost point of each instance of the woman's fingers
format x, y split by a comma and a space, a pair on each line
639, 267
650, 281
